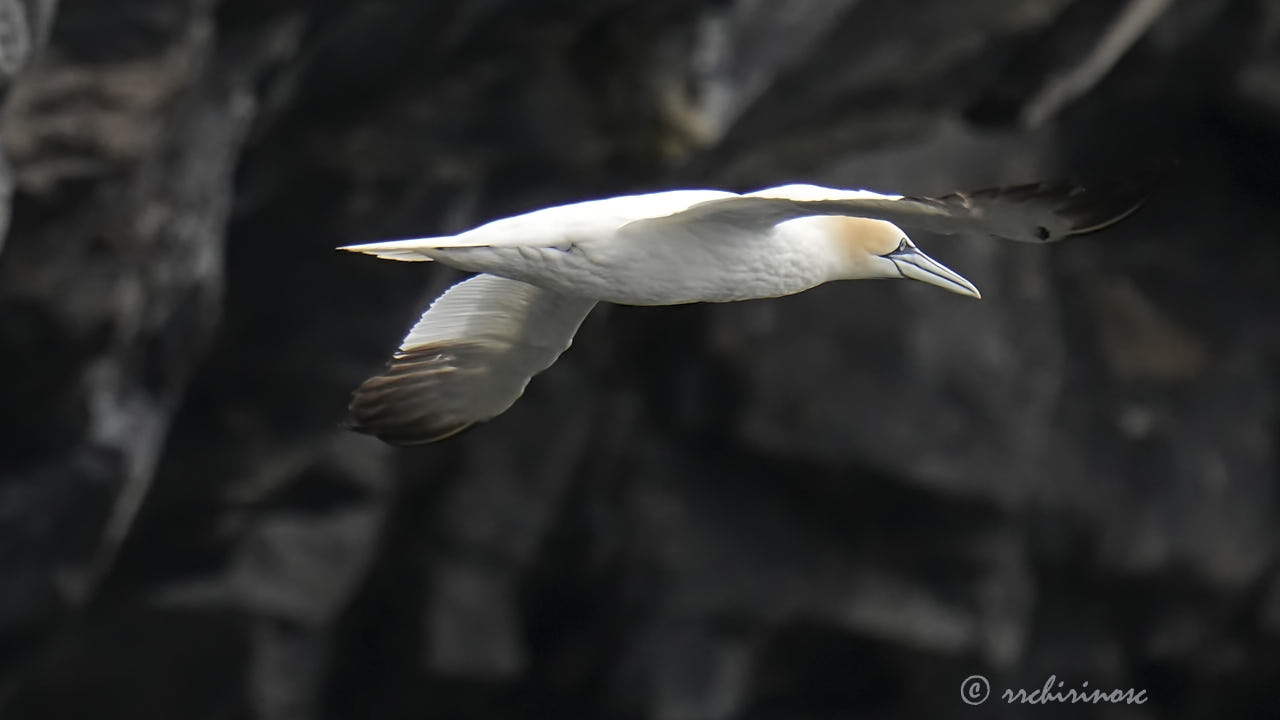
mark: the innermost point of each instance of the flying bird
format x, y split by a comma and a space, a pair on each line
477, 346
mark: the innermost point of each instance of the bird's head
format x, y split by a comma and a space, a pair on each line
879, 249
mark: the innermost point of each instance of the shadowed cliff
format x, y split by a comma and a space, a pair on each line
837, 504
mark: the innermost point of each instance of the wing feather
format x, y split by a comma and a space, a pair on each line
468, 359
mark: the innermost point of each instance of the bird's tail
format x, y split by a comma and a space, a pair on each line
420, 249
403, 250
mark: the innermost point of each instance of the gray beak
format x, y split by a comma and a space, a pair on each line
916, 265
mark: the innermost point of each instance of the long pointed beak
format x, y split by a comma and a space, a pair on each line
916, 265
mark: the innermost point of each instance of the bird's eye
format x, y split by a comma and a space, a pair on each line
903, 245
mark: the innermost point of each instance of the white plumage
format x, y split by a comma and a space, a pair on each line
474, 350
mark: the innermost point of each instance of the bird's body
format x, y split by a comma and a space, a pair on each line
654, 268
540, 273
600, 249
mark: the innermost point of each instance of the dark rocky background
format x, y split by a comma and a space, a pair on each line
834, 505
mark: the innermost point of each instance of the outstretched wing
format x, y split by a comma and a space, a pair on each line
1036, 213
468, 359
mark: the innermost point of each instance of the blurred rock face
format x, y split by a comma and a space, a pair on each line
838, 504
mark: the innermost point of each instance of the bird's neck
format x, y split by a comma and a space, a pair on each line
834, 244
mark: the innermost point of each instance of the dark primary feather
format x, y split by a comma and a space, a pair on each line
1081, 209
425, 393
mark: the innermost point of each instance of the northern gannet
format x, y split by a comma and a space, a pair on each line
476, 347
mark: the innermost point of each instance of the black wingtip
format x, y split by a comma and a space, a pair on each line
1095, 206
1080, 207
1100, 203
401, 435
416, 400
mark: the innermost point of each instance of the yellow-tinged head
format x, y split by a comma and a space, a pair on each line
869, 248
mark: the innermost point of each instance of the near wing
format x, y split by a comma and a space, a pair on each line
468, 359
1036, 213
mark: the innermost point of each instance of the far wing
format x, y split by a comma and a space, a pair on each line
1035, 213
468, 359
